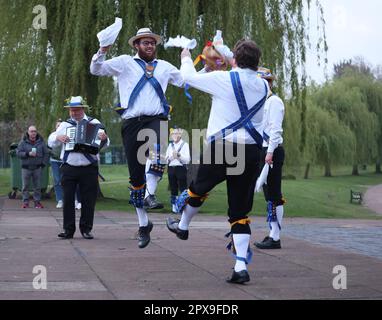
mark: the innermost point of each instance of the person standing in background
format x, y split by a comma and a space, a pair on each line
34, 155
55, 164
178, 157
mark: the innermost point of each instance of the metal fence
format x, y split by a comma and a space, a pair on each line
113, 155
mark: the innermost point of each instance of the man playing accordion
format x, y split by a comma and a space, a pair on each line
79, 168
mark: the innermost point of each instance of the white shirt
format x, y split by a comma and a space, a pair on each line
128, 72
224, 109
52, 144
76, 159
272, 124
184, 153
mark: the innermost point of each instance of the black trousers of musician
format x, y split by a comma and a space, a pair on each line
177, 178
272, 190
239, 187
87, 179
130, 129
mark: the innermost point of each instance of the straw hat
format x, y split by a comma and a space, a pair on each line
145, 33
76, 102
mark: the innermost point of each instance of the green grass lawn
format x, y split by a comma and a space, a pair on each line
317, 197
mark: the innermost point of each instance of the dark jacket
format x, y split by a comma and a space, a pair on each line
25, 146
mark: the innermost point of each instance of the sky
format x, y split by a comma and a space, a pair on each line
353, 28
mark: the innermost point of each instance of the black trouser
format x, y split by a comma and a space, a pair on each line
272, 190
239, 187
177, 178
130, 129
87, 179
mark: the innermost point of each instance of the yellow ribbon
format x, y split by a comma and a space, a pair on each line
242, 221
199, 58
194, 195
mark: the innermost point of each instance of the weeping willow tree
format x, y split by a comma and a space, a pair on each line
40, 68
350, 106
331, 142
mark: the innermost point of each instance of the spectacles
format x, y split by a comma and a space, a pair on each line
147, 43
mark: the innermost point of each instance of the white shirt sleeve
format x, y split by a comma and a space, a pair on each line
207, 82
168, 153
276, 116
175, 78
61, 130
52, 140
185, 154
112, 67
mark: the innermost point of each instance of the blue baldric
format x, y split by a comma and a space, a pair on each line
148, 77
246, 114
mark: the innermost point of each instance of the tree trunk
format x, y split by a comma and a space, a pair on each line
355, 170
307, 169
328, 171
378, 167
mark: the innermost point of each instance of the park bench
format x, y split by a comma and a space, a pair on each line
356, 196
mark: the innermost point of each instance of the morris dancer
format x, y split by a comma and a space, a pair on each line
142, 82
178, 157
273, 154
235, 121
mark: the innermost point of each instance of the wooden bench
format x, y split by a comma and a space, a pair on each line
356, 196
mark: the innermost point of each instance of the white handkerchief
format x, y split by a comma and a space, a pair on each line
108, 36
181, 42
262, 178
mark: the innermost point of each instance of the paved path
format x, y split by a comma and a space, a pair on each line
112, 266
373, 199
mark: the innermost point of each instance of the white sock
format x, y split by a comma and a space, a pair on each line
151, 184
241, 243
187, 216
143, 218
275, 232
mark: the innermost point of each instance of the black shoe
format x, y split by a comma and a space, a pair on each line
151, 202
144, 235
268, 244
87, 235
172, 225
239, 277
65, 235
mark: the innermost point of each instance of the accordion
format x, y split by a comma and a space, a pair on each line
84, 137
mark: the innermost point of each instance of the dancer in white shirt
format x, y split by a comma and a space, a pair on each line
178, 157
273, 154
235, 121
142, 82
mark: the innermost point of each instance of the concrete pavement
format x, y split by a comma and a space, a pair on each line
113, 267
